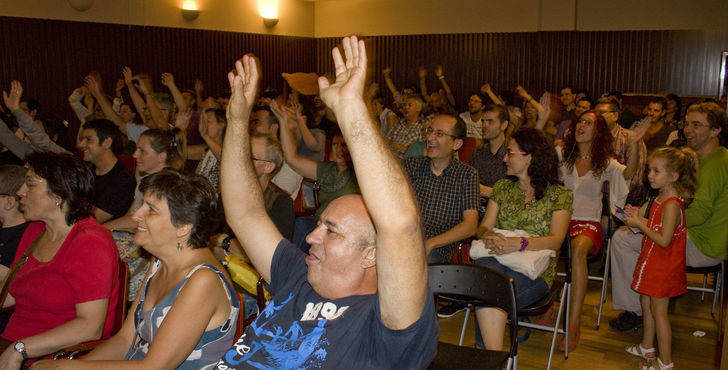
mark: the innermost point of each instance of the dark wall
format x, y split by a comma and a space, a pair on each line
683, 62
51, 57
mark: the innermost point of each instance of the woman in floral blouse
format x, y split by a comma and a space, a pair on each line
530, 199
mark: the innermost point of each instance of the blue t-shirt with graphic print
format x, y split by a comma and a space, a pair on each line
300, 329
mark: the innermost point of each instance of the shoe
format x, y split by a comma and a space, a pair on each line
450, 309
546, 318
660, 365
627, 322
639, 351
574, 334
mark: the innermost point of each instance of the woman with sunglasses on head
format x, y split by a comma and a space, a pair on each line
531, 198
587, 160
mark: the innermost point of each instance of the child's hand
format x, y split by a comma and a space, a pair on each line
631, 210
634, 220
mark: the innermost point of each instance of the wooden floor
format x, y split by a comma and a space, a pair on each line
604, 348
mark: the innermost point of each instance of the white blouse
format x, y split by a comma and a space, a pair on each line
588, 189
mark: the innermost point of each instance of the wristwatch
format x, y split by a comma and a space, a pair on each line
20, 348
226, 243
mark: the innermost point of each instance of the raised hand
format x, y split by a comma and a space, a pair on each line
244, 87
183, 119
167, 79
522, 92
202, 125
92, 84
350, 75
438, 71
387, 71
485, 88
119, 86
422, 72
128, 76
76, 95
199, 86
12, 100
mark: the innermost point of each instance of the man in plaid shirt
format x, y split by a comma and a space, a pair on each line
446, 189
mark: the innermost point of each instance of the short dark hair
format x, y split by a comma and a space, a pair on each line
586, 99
273, 118
714, 113
608, 100
615, 93
501, 110
68, 178
658, 100
106, 129
32, 104
11, 179
479, 95
567, 86
191, 200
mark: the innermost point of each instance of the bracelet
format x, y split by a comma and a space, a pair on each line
226, 243
524, 244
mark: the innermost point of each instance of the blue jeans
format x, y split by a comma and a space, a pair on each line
441, 255
301, 228
528, 291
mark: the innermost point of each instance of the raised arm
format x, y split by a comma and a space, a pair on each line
445, 86
304, 166
422, 74
74, 100
295, 111
158, 120
386, 72
136, 98
241, 194
486, 89
168, 80
400, 253
11, 141
38, 137
94, 85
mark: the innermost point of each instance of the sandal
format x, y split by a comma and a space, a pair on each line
660, 365
546, 318
573, 341
639, 351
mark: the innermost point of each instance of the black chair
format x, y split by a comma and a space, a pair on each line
719, 272
605, 253
559, 289
474, 286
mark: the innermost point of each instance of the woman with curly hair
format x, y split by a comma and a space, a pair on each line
530, 199
586, 162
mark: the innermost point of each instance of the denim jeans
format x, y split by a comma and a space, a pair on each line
528, 291
441, 255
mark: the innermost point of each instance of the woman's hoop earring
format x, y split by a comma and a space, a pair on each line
179, 247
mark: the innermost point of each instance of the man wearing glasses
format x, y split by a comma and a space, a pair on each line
626, 147
446, 189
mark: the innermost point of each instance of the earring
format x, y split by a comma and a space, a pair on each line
58, 204
179, 247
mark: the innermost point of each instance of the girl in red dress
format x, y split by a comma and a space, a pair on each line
660, 270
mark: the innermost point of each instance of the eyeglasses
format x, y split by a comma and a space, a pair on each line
603, 112
438, 133
696, 125
258, 159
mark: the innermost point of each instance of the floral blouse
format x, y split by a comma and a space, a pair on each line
533, 217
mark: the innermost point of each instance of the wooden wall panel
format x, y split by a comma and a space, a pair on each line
642, 62
51, 57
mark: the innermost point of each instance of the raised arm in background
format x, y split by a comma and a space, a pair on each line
485, 89
136, 98
386, 72
241, 193
75, 101
93, 83
543, 113
445, 86
304, 166
158, 120
37, 135
179, 101
422, 74
16, 145
400, 252
295, 111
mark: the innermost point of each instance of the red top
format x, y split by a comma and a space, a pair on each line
85, 268
660, 272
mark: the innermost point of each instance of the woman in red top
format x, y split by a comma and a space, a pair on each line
66, 291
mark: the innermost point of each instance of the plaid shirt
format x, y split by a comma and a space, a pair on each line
442, 199
403, 135
490, 167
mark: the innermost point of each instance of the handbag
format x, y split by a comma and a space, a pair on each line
20, 263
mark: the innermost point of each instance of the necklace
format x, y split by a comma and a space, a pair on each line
584, 156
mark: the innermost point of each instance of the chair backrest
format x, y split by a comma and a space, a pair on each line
466, 150
476, 285
121, 307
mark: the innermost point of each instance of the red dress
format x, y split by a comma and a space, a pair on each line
660, 272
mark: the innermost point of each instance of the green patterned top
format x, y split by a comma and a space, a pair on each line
533, 217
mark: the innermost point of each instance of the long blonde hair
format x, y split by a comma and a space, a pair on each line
684, 162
